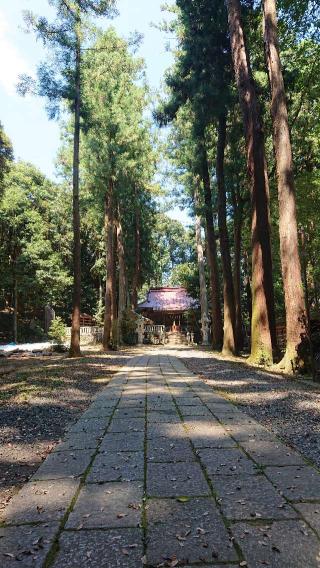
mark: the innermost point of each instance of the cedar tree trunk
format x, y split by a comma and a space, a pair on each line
216, 316
114, 270
229, 346
263, 336
202, 276
74, 350
237, 232
137, 260
296, 319
108, 232
122, 278
15, 307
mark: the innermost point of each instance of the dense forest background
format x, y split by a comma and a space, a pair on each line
127, 156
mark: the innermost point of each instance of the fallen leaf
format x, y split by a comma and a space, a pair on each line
183, 499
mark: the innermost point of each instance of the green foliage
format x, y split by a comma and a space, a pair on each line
35, 243
172, 247
58, 331
6, 156
186, 275
118, 146
57, 74
129, 327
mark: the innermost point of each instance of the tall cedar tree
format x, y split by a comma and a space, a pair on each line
296, 320
182, 149
119, 162
61, 80
229, 319
217, 328
201, 266
208, 62
263, 333
201, 76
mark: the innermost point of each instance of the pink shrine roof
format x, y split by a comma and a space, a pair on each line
167, 299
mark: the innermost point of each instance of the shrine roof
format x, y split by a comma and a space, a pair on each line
168, 299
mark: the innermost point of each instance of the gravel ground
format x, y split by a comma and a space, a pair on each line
288, 407
39, 398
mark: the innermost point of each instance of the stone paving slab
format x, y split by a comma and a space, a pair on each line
90, 426
208, 434
199, 410
162, 449
223, 408
270, 453
132, 441
284, 544
250, 497
226, 461
191, 400
234, 418
107, 505
311, 513
163, 417
117, 466
60, 465
127, 403
104, 403
244, 432
296, 483
41, 501
194, 484
126, 413
192, 532
96, 411
127, 425
100, 549
172, 430
78, 441
174, 479
26, 546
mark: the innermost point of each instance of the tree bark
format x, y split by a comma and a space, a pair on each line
229, 344
114, 269
296, 318
122, 278
217, 328
137, 260
201, 269
263, 334
74, 350
108, 232
15, 307
237, 232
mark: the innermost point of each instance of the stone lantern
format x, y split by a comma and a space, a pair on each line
140, 331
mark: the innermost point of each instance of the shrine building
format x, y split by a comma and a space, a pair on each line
167, 306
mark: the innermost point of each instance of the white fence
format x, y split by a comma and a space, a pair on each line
94, 334
154, 328
156, 334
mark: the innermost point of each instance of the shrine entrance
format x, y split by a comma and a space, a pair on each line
167, 306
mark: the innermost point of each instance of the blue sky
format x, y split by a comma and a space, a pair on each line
34, 137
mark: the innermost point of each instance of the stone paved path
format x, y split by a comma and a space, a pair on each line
163, 471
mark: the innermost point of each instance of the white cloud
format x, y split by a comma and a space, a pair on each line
12, 63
